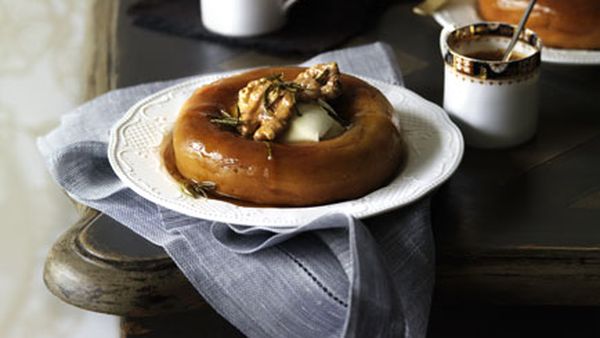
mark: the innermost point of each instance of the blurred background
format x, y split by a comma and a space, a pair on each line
43, 69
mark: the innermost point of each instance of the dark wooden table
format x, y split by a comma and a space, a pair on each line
519, 226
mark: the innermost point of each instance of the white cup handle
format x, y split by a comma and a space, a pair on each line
287, 4
443, 37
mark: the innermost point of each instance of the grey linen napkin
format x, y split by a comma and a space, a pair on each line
334, 277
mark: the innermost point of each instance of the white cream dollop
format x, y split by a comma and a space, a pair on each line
312, 124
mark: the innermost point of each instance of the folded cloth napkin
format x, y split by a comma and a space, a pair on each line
333, 277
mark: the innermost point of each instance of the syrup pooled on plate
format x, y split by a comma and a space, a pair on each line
168, 162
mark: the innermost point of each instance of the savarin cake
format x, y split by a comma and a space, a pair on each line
286, 136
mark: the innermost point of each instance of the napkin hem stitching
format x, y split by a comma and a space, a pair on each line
313, 277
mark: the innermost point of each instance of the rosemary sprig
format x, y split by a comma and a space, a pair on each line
232, 121
275, 77
266, 103
226, 119
278, 86
198, 189
291, 86
331, 112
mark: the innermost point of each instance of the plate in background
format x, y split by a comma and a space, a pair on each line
463, 12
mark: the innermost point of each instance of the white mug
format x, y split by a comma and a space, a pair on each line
243, 18
494, 103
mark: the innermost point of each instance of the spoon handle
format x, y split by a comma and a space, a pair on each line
428, 7
517, 32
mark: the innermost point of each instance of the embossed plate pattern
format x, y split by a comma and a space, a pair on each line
435, 148
463, 12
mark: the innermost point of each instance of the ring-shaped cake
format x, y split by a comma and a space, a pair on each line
363, 158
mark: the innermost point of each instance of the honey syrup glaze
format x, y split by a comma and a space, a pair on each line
167, 156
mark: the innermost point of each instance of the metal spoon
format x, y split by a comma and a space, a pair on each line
428, 7
517, 32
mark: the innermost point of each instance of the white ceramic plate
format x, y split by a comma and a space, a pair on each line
463, 12
435, 148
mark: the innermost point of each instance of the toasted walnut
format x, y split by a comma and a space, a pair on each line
319, 82
267, 104
250, 100
276, 117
